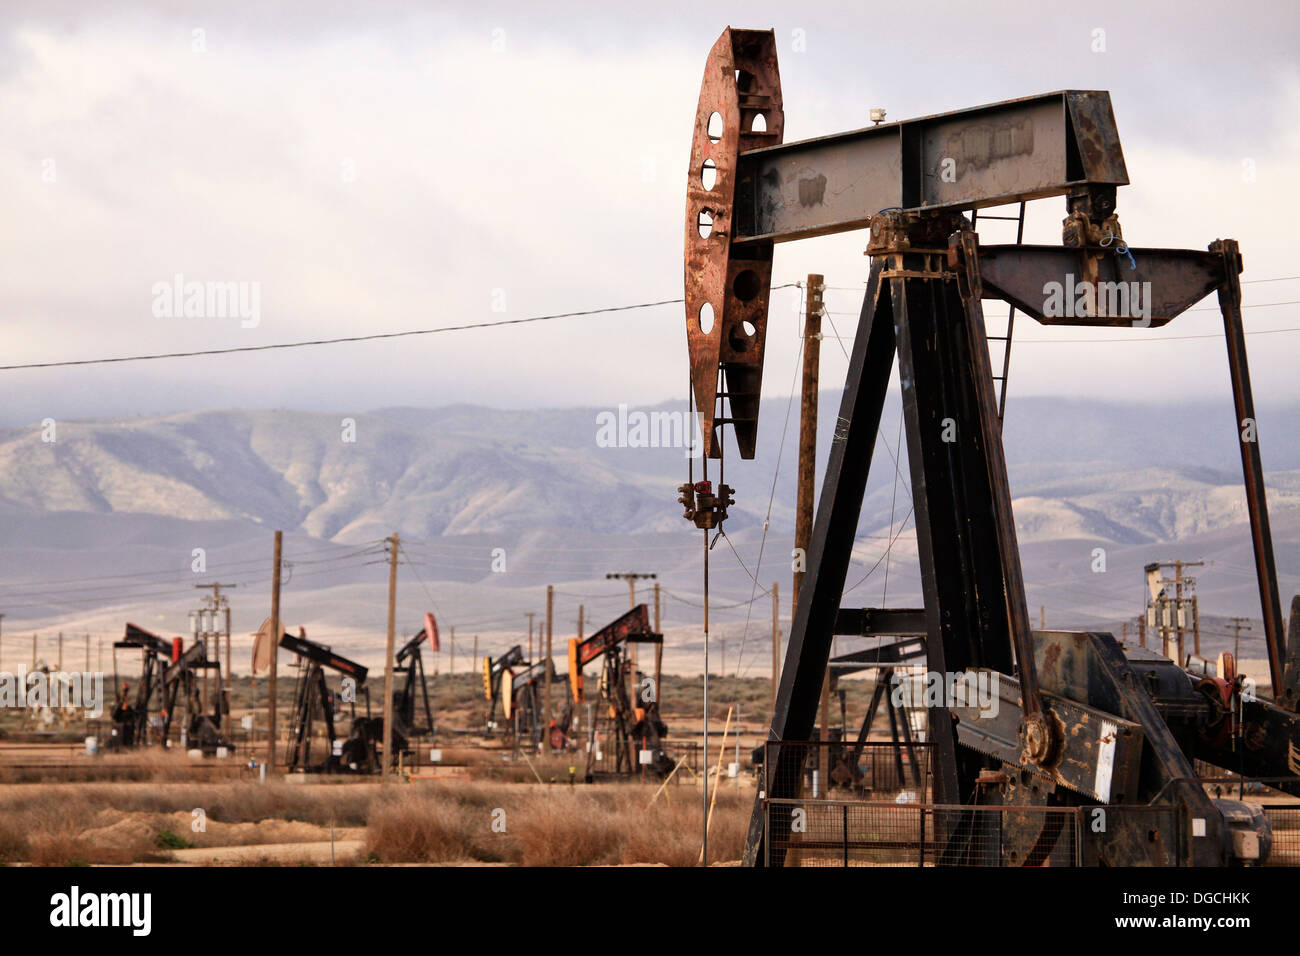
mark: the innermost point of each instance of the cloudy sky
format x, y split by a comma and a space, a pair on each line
384, 166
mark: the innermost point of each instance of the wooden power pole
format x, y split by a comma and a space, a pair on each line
388, 657
1239, 624
776, 642
275, 651
546, 673
659, 648
1196, 627
807, 480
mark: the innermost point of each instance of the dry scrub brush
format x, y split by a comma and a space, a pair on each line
555, 826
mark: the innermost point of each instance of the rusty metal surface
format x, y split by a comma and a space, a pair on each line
727, 288
1099, 754
1021, 149
1095, 137
631, 627
1170, 281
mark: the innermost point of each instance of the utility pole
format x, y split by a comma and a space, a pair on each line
659, 648
1239, 624
100, 653
451, 666
33, 652
1042, 617
1178, 615
213, 620
1196, 627
59, 662
807, 474
388, 657
87, 653
776, 642
276, 630
546, 685
1171, 614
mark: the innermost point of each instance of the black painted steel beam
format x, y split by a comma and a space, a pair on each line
828, 559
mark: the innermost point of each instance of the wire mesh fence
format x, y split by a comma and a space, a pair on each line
871, 770
805, 832
1284, 822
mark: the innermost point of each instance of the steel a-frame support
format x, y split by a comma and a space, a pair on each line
970, 573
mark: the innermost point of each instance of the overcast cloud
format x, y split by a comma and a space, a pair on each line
381, 166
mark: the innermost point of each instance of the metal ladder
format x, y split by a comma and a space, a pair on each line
1001, 379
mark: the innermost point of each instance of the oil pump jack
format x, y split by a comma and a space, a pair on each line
627, 722
172, 674
131, 713
314, 700
498, 675
527, 706
1080, 722
516, 687
414, 691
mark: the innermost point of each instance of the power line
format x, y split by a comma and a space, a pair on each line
406, 559
336, 341
162, 577
374, 336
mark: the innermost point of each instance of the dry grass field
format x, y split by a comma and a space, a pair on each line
495, 813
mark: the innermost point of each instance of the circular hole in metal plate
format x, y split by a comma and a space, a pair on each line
742, 336
705, 223
706, 318
709, 174
746, 285
715, 126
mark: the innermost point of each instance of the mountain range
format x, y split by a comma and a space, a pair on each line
119, 518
